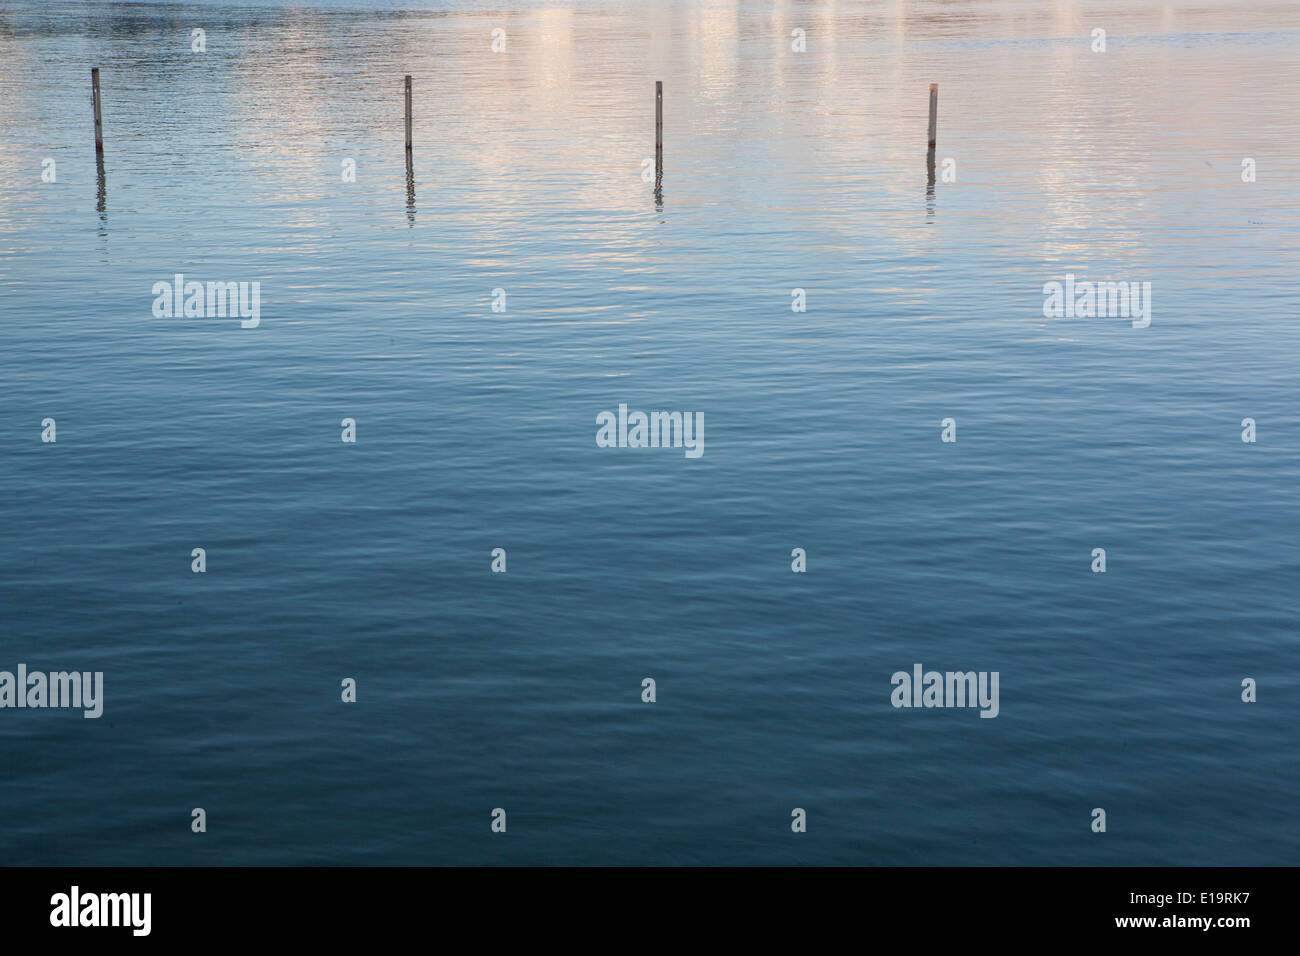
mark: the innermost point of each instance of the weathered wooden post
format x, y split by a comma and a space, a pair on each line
99, 119
659, 129
934, 127
934, 112
408, 114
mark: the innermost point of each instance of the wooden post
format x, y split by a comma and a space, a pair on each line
408, 113
934, 127
934, 112
659, 129
99, 119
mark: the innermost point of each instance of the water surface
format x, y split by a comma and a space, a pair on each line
475, 430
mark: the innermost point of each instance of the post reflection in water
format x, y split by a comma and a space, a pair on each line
410, 190
929, 184
101, 192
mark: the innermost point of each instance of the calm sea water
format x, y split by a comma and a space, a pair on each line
475, 430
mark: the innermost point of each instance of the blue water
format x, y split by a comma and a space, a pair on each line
476, 430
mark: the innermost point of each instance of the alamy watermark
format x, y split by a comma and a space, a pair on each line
197, 300
653, 430
75, 908
923, 688
57, 689
1085, 299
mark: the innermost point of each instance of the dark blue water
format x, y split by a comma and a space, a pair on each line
476, 430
